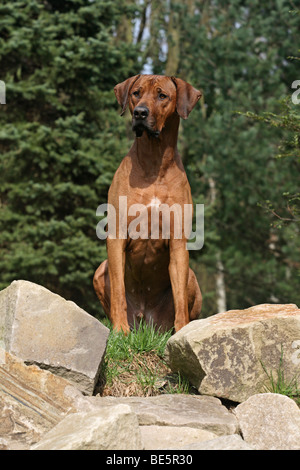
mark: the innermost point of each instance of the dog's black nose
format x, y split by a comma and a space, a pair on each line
141, 112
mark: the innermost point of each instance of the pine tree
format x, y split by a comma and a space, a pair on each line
61, 139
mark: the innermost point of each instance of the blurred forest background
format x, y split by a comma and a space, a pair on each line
61, 137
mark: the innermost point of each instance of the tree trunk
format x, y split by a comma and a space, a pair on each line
173, 38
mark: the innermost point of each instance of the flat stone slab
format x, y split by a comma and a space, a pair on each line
42, 328
192, 411
166, 437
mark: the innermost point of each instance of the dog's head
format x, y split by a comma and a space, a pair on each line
154, 98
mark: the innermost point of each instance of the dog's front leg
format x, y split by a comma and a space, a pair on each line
179, 272
116, 270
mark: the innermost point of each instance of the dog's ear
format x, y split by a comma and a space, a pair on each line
122, 91
187, 97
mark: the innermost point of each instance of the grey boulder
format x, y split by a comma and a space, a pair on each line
232, 355
270, 421
42, 328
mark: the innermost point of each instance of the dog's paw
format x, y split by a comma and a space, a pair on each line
122, 327
179, 324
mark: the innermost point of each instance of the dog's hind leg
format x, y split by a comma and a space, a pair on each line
102, 286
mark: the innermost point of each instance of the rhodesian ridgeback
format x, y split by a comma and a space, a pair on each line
149, 278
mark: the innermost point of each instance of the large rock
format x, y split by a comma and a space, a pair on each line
42, 328
32, 401
270, 421
231, 354
112, 428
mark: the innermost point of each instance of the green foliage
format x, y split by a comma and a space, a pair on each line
141, 339
60, 138
287, 210
280, 384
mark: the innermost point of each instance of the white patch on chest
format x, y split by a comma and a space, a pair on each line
155, 202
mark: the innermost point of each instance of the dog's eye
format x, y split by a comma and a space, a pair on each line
136, 93
162, 96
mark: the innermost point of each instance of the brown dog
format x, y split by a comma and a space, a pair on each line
145, 277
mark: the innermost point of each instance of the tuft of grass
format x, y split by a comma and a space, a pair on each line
177, 383
279, 383
134, 365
